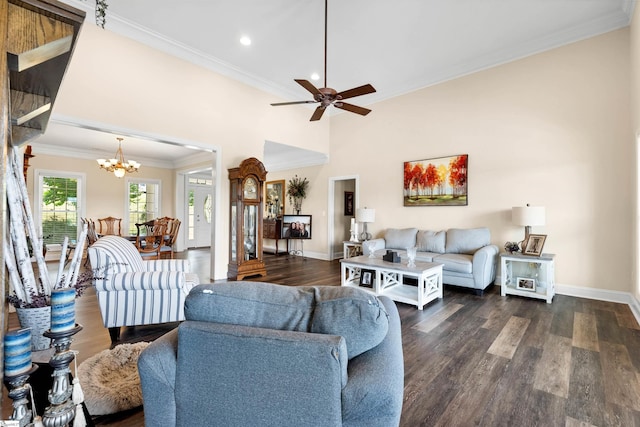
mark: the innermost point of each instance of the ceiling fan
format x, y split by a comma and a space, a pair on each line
327, 96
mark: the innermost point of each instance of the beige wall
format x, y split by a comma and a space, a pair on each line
117, 82
635, 132
551, 130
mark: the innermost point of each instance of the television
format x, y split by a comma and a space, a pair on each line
296, 227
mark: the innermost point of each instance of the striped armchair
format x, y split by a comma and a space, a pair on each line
132, 291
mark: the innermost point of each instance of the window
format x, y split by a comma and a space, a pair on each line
144, 202
58, 205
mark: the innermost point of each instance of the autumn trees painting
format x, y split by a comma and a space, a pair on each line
436, 182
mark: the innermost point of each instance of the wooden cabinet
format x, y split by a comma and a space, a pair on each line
246, 228
273, 230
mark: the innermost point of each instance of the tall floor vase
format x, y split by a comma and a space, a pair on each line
39, 320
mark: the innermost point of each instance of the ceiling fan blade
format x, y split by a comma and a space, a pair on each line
308, 86
353, 108
356, 91
293, 102
318, 113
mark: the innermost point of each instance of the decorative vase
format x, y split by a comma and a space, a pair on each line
39, 320
297, 204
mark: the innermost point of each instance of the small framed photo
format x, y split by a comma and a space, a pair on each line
367, 277
534, 244
526, 284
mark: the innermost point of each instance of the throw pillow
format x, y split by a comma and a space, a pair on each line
258, 304
400, 238
431, 241
467, 241
355, 315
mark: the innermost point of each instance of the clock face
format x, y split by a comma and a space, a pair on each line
250, 189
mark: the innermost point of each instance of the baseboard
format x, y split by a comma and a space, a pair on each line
602, 295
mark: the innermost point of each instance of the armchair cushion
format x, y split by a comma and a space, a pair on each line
355, 315
350, 313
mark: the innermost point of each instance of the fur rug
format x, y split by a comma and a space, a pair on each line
110, 380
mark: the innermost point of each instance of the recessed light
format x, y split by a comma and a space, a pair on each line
245, 40
315, 76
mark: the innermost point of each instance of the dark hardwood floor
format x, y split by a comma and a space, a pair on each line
469, 360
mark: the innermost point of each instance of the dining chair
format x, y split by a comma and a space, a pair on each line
150, 238
172, 228
110, 226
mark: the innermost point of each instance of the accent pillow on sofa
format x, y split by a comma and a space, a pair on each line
467, 241
395, 238
431, 241
353, 314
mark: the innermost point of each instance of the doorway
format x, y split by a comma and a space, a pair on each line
343, 201
200, 201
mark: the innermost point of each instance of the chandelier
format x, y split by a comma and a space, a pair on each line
117, 165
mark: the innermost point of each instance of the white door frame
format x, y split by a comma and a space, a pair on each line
332, 207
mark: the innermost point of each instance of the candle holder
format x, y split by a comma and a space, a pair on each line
19, 392
62, 410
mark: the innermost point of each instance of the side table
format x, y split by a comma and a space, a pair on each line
528, 276
351, 249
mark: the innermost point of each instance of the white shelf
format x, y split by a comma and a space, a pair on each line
540, 269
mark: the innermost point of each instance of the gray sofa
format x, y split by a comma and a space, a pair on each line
259, 354
468, 257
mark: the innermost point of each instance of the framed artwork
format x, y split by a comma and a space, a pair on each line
526, 284
296, 227
348, 203
274, 198
440, 181
367, 278
534, 244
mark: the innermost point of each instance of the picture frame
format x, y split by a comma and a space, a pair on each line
367, 278
534, 244
526, 284
296, 227
274, 199
348, 203
441, 181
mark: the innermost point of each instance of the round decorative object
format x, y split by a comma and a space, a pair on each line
511, 247
110, 379
39, 320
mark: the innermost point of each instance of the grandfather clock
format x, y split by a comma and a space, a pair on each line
245, 232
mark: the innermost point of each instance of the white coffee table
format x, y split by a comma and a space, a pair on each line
388, 278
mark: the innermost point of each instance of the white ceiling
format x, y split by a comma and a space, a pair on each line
397, 46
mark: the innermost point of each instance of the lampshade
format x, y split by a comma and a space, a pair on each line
528, 215
365, 215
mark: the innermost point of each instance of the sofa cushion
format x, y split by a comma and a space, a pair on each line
357, 316
431, 241
460, 263
467, 241
351, 313
258, 304
400, 238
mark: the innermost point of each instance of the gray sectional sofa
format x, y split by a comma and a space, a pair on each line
468, 257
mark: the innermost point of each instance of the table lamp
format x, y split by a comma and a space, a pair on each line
365, 215
528, 216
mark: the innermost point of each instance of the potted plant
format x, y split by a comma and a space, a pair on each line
297, 191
